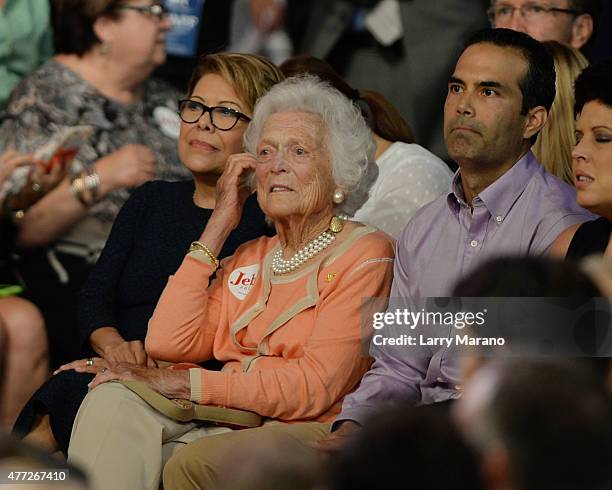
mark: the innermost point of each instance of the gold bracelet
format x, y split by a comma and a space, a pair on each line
77, 188
203, 248
91, 182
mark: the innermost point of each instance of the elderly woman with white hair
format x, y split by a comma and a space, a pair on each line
283, 314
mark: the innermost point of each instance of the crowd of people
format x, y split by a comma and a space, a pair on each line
225, 247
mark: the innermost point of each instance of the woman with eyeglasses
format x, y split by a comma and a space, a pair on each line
284, 314
151, 235
100, 77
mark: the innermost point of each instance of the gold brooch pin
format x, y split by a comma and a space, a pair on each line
336, 224
330, 277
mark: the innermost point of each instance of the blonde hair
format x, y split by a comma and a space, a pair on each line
554, 145
250, 75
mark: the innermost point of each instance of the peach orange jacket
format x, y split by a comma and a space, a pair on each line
291, 344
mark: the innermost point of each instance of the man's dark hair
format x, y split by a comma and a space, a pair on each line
538, 84
594, 83
555, 420
535, 277
402, 447
592, 7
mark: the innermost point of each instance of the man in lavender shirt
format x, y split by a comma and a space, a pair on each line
501, 202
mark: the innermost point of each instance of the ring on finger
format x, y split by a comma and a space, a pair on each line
103, 370
89, 362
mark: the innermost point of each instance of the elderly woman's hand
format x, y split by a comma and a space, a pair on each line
170, 383
233, 190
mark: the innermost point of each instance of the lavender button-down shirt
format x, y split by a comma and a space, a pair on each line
521, 213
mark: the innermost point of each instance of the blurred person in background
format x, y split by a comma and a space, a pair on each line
24, 346
402, 447
409, 176
538, 425
199, 27
555, 143
149, 238
16, 456
258, 27
26, 41
572, 22
538, 277
271, 463
404, 49
25, 356
106, 50
592, 165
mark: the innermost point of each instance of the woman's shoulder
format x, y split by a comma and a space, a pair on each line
419, 158
366, 242
376, 240
52, 82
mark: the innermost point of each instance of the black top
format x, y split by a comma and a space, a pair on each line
591, 237
148, 242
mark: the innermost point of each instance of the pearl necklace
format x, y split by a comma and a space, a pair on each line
312, 248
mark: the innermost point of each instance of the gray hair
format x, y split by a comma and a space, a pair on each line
349, 140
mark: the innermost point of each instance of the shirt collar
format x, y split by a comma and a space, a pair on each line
498, 197
455, 197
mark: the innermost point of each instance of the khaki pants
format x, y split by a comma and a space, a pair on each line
242, 454
123, 443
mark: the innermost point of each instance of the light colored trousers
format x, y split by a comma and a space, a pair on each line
123, 443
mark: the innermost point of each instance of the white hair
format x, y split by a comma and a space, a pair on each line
349, 141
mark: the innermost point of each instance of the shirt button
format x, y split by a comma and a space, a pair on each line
473, 244
499, 219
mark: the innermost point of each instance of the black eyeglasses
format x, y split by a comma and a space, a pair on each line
532, 13
156, 10
223, 118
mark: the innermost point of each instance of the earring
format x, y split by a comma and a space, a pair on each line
338, 196
104, 48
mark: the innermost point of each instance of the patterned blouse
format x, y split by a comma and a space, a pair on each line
54, 96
